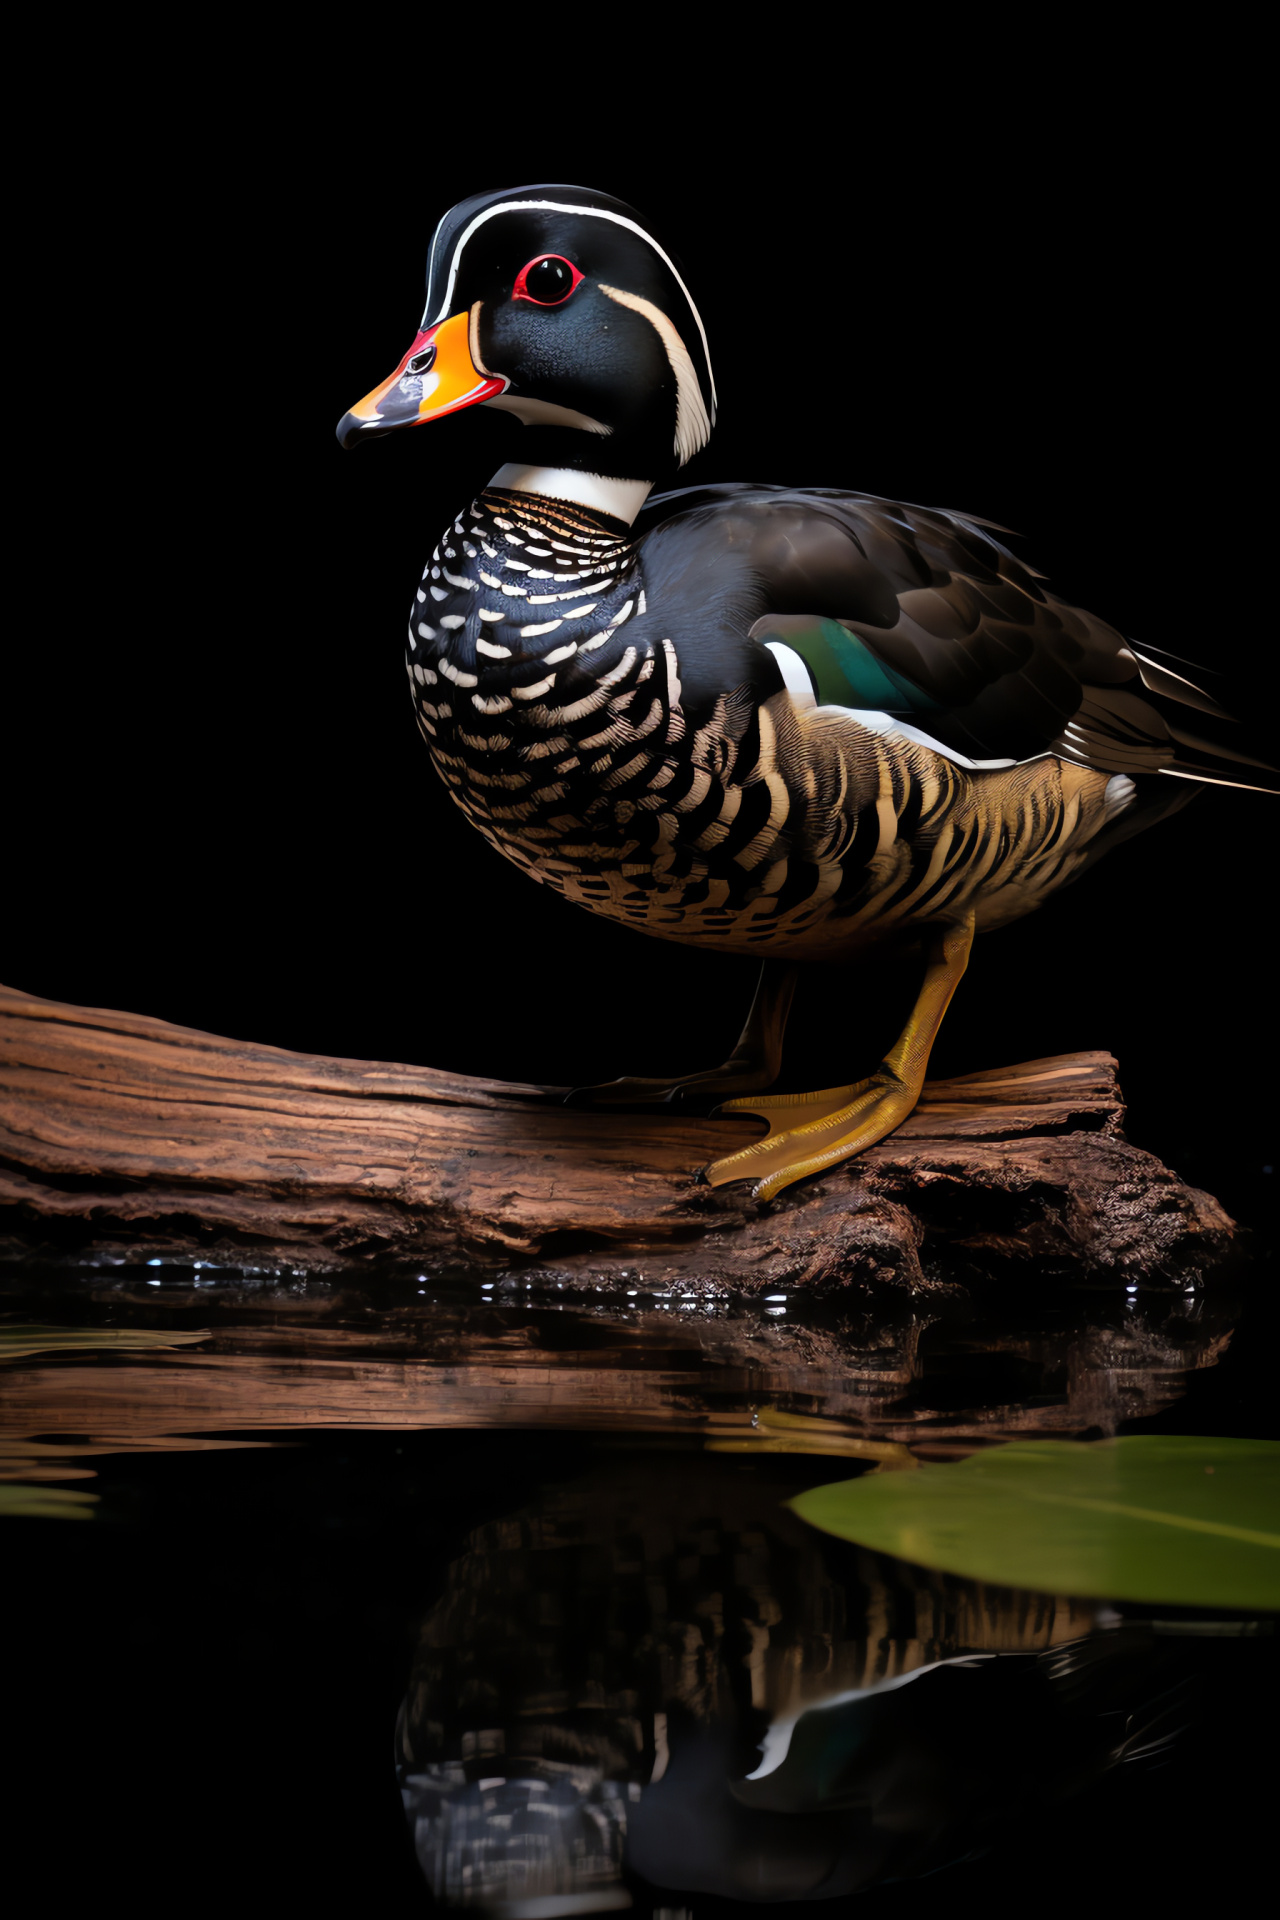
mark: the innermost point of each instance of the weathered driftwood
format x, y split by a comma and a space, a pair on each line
122, 1135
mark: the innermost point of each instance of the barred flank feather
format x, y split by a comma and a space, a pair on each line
619, 723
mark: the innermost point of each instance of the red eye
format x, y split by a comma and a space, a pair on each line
547, 281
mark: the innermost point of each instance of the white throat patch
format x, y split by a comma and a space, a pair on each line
622, 499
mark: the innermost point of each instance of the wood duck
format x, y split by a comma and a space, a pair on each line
800, 723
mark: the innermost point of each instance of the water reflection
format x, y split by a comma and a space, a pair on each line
648, 1684
287, 1352
656, 1677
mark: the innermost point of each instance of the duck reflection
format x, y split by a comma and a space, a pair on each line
657, 1674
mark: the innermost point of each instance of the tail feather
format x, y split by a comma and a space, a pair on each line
1196, 666
1202, 738
1174, 686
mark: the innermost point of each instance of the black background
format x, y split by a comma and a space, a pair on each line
1012, 280
1017, 271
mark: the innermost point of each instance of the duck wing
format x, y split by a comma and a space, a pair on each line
923, 618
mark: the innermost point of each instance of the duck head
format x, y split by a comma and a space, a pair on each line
556, 305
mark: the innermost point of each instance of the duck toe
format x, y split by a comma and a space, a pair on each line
809, 1133
695, 1088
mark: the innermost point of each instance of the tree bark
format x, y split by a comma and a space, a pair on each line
125, 1137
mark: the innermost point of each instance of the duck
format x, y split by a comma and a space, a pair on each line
802, 723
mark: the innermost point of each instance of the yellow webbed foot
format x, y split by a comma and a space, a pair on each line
809, 1132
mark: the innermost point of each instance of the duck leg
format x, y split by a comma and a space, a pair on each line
754, 1064
809, 1132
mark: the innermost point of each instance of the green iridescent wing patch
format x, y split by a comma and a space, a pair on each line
844, 670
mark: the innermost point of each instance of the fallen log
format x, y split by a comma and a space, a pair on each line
124, 1137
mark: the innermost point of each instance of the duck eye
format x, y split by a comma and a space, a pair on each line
547, 281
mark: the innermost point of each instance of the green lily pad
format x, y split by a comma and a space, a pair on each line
1171, 1519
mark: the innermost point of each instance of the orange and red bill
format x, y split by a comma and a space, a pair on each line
438, 375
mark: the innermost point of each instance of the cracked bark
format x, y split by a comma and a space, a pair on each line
124, 1137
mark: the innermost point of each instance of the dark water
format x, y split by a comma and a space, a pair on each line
405, 1592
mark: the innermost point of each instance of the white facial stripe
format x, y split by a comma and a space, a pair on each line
473, 339
544, 413
693, 429
559, 206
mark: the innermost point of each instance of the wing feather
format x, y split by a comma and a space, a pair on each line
988, 661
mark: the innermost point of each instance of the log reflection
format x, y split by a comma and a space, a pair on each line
285, 1354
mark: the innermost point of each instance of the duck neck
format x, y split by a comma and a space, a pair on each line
622, 499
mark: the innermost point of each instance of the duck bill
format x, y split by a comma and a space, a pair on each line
438, 375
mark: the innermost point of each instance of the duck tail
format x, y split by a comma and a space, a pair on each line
1204, 735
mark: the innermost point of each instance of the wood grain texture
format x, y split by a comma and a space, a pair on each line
120, 1133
